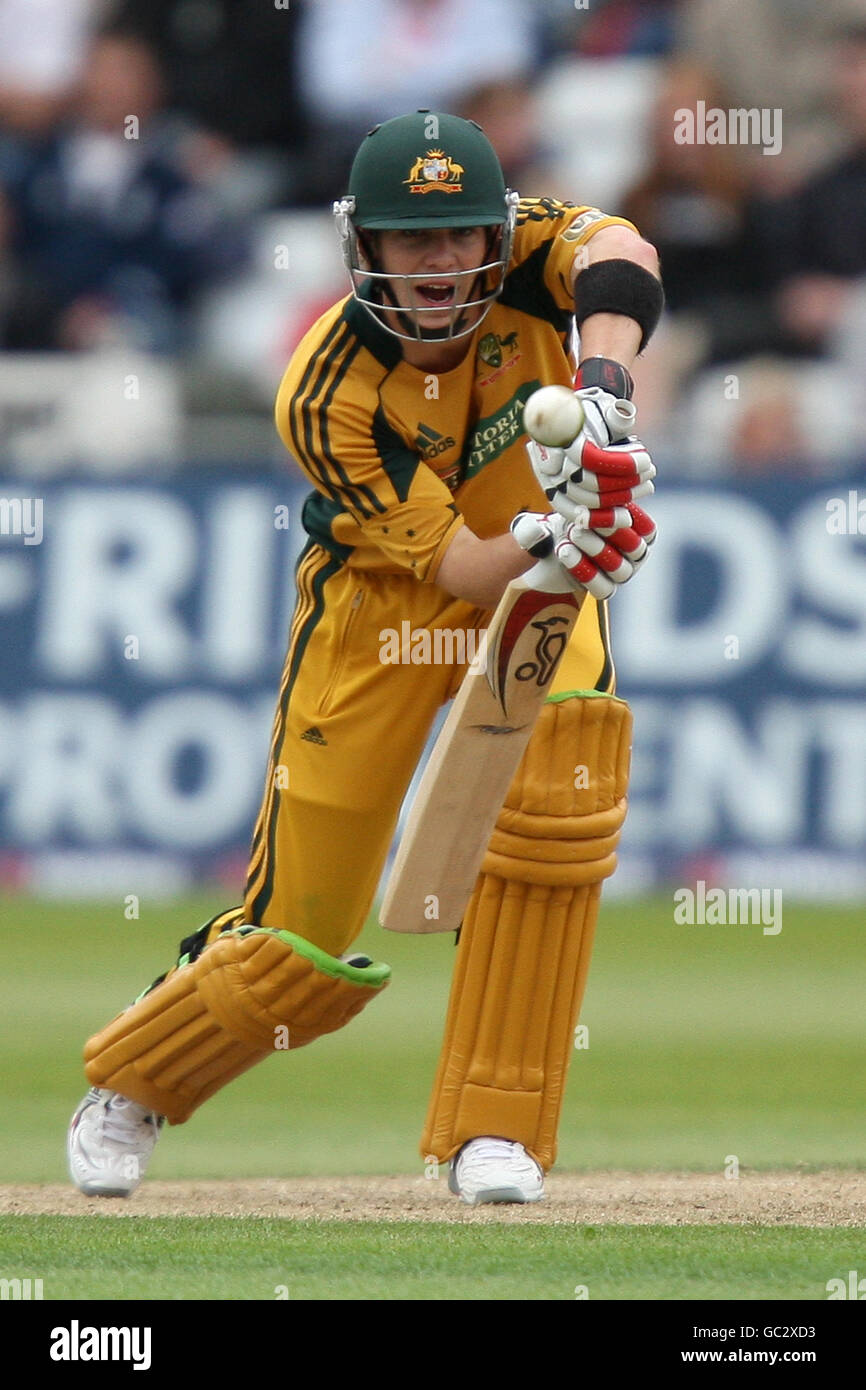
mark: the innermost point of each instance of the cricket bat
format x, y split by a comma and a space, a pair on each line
475, 757
479, 748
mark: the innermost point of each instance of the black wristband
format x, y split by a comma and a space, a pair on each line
609, 375
619, 286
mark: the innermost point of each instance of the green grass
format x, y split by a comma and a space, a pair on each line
210, 1258
703, 1042
216, 1258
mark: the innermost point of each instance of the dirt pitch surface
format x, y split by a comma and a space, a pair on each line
832, 1198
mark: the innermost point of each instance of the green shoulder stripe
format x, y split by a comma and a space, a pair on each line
525, 290
313, 400
399, 461
325, 353
386, 350
353, 490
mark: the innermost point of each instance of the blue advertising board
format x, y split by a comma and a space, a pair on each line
144, 622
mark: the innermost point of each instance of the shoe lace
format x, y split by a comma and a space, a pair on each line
494, 1148
486, 1147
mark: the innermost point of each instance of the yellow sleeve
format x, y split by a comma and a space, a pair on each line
353, 456
555, 231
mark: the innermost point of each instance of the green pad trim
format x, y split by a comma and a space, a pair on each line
374, 976
583, 695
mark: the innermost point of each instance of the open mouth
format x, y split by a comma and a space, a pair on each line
438, 295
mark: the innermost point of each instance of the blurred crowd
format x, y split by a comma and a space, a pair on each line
147, 152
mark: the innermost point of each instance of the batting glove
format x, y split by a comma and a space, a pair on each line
597, 551
605, 466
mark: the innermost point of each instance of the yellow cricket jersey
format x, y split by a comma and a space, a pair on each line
401, 458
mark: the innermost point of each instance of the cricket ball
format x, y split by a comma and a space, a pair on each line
553, 416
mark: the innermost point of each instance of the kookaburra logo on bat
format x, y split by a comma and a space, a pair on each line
531, 614
548, 650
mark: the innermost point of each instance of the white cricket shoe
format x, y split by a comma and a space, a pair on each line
109, 1144
495, 1170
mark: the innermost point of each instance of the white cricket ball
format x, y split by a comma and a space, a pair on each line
553, 416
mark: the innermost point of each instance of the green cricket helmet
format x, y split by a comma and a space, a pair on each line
416, 172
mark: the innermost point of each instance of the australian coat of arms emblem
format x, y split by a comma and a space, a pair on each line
435, 170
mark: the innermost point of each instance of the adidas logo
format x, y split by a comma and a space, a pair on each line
314, 735
430, 442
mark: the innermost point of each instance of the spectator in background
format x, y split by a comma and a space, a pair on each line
822, 255
507, 114
692, 205
770, 287
25, 305
776, 54
230, 68
364, 63
717, 390
609, 28
627, 28
43, 44
105, 220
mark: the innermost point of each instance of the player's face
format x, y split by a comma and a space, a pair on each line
440, 257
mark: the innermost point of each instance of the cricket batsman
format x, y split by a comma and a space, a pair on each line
404, 406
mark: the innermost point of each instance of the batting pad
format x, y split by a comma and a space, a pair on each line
526, 940
252, 992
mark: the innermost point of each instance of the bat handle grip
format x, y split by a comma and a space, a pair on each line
620, 418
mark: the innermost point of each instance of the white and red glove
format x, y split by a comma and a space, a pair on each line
606, 466
597, 550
